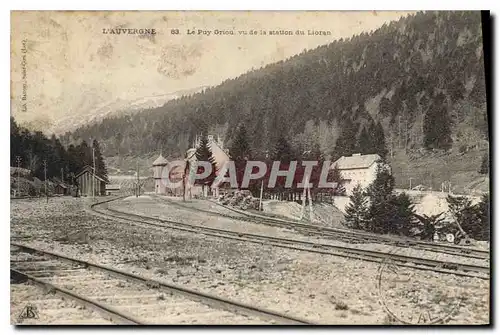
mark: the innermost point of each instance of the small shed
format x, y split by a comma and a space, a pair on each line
61, 189
90, 183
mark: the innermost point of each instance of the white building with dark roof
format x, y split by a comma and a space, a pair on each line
158, 165
357, 169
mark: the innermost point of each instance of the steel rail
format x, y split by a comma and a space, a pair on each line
344, 234
459, 269
110, 312
205, 298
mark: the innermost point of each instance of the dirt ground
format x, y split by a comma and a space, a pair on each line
322, 288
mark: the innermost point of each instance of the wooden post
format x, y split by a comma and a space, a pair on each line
45, 175
261, 192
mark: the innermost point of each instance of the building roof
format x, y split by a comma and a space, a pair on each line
89, 169
160, 161
356, 161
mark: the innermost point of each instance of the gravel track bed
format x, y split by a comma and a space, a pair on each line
325, 289
52, 309
171, 212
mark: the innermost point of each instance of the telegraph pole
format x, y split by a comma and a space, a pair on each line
261, 192
45, 175
399, 132
18, 159
262, 187
406, 134
93, 177
137, 187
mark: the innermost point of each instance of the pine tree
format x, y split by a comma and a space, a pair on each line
346, 142
240, 149
437, 125
204, 154
378, 140
84, 154
357, 210
473, 220
461, 210
401, 218
381, 200
483, 213
240, 152
485, 165
365, 143
335, 176
100, 165
283, 152
382, 187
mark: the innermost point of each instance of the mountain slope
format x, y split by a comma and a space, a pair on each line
400, 75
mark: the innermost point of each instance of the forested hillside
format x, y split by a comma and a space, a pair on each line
416, 83
34, 151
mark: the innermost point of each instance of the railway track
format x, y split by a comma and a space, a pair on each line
127, 298
459, 269
345, 235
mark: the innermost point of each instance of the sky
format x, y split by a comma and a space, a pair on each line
67, 64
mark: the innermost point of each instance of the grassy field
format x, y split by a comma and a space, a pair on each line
432, 169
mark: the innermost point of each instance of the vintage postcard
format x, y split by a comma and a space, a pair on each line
250, 168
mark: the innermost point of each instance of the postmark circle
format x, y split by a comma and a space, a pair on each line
413, 298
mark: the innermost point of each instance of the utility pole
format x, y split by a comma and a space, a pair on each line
406, 134
399, 132
137, 188
18, 160
261, 192
45, 175
310, 201
94, 172
262, 187
392, 145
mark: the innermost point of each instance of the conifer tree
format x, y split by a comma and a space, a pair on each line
473, 220
483, 213
346, 142
485, 165
437, 125
335, 176
401, 215
100, 165
240, 149
283, 152
382, 204
240, 152
382, 187
365, 143
204, 154
378, 140
357, 210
